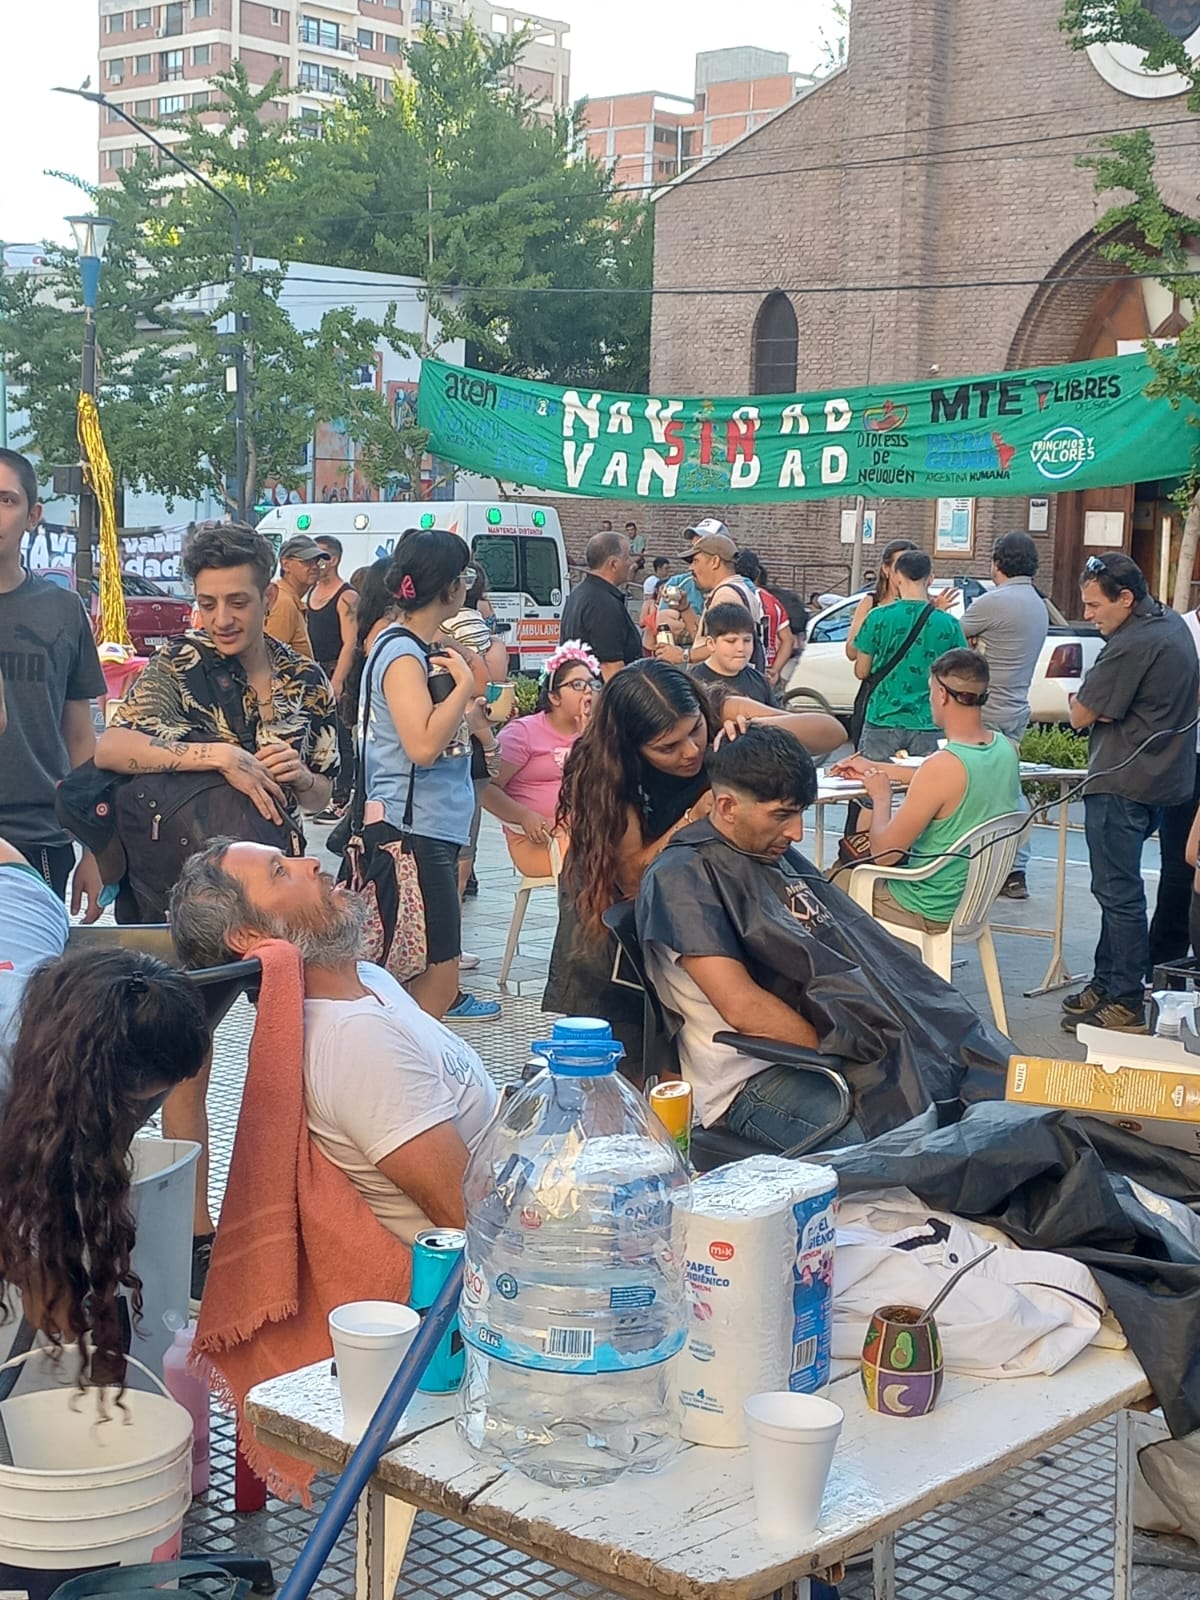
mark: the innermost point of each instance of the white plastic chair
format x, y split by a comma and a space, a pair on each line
992, 848
524, 889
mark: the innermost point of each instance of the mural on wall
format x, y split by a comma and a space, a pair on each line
149, 552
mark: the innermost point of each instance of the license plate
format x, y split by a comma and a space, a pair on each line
156, 639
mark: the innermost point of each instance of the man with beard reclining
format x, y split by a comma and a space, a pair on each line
392, 1098
741, 933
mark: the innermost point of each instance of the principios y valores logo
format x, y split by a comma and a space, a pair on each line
1061, 452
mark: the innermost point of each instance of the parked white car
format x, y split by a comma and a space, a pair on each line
824, 676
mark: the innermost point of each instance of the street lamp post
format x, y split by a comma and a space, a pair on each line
241, 437
91, 236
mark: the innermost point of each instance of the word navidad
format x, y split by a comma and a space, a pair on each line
662, 460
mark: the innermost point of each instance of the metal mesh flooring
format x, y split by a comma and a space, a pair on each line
1041, 1532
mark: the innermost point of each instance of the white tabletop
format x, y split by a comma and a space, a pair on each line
689, 1533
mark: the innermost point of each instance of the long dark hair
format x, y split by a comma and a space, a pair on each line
96, 1031
604, 772
892, 549
375, 601
424, 566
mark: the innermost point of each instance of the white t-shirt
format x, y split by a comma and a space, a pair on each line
716, 1072
650, 587
378, 1072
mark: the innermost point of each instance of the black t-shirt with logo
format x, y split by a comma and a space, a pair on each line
749, 682
47, 657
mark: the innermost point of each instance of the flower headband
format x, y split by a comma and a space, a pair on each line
571, 650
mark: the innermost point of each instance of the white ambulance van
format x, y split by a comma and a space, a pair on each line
521, 548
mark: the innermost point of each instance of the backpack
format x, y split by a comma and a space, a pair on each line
142, 829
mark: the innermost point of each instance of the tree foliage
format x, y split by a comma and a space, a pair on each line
1142, 232
461, 181
455, 179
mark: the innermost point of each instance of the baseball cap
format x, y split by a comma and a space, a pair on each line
302, 548
711, 544
707, 525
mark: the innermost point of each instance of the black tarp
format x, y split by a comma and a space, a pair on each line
1051, 1180
906, 1038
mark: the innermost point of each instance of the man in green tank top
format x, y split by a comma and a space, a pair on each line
973, 778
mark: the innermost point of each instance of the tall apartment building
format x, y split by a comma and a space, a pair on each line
158, 60
650, 138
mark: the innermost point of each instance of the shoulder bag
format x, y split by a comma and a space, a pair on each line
378, 864
872, 681
143, 828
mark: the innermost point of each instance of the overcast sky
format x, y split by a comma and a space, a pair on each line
617, 46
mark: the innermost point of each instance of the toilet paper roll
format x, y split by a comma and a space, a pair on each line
759, 1245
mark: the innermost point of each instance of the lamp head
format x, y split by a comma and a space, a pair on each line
91, 235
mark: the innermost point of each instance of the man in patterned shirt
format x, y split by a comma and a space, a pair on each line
169, 722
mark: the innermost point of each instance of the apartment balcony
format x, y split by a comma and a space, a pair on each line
343, 50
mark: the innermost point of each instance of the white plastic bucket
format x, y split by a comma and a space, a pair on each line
85, 1492
162, 1200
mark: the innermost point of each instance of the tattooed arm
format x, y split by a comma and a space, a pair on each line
125, 750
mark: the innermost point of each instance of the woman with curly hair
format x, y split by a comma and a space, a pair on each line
635, 777
103, 1038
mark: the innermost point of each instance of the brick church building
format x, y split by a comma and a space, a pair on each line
942, 156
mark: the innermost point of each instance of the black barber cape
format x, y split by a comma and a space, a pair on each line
907, 1039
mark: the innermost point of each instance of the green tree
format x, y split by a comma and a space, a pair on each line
528, 252
1145, 235
165, 316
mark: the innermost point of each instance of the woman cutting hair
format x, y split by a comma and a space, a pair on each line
103, 1038
635, 777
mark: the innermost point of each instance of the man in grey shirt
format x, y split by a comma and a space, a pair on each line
52, 673
1010, 623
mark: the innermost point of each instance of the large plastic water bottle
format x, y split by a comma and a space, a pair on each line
573, 1301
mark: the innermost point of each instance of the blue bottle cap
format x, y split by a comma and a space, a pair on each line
582, 1058
581, 1028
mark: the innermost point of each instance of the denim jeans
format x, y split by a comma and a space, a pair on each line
1015, 732
1116, 831
782, 1106
881, 744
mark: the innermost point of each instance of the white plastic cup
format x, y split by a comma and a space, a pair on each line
792, 1438
370, 1339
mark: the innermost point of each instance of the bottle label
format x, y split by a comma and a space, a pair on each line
564, 1346
812, 1292
567, 1349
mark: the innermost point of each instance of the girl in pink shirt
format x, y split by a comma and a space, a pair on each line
533, 751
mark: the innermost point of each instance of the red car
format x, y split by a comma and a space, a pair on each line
154, 615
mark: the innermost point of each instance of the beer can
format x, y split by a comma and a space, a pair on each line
434, 1254
672, 1104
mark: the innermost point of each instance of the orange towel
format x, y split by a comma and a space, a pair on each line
295, 1239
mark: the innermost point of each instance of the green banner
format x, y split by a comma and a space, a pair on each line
1015, 433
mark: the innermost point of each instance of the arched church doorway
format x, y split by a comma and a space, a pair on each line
1082, 320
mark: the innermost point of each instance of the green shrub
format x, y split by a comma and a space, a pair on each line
1053, 744
527, 690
